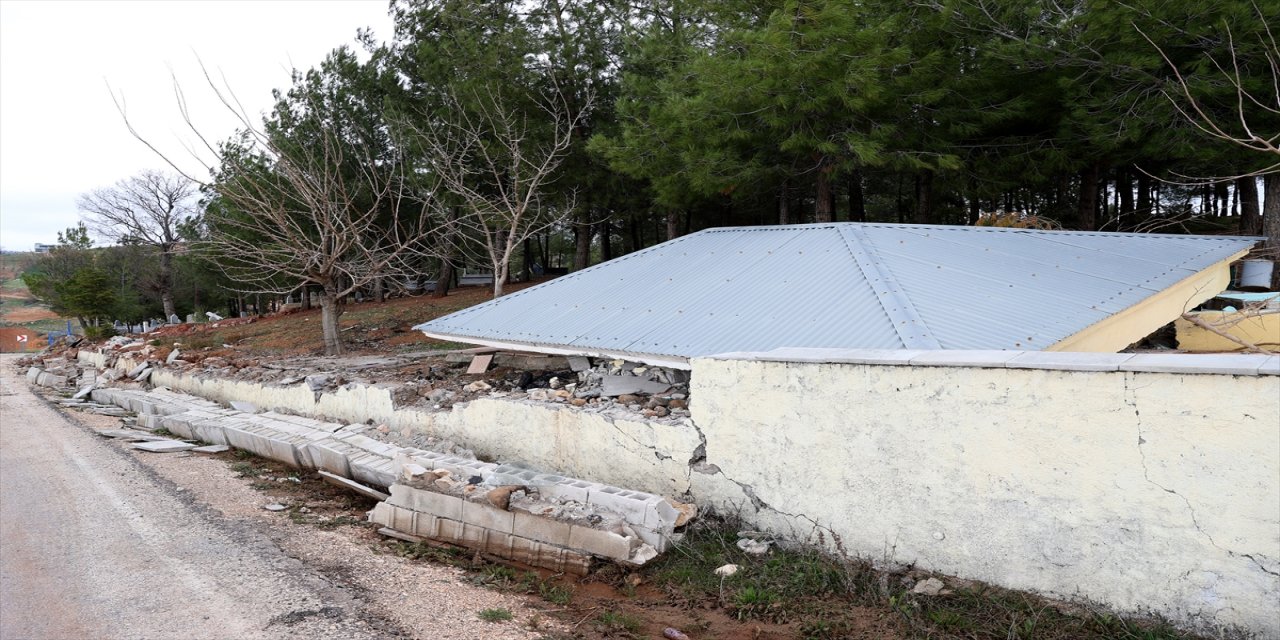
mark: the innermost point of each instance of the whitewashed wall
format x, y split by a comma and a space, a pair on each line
1150, 489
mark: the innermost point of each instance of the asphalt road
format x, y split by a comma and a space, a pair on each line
95, 545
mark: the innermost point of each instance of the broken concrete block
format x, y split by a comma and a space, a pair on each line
614, 386
483, 515
542, 529
83, 393
352, 485
601, 543
136, 371
212, 448
929, 587
143, 376
173, 355
437, 504
579, 363
164, 446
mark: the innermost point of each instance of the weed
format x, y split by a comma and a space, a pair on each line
428, 552
335, 522
242, 454
823, 629
555, 594
495, 615
754, 602
162, 432
615, 621
245, 469
263, 485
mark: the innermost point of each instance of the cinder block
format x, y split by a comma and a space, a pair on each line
547, 530
487, 516
563, 488
474, 537
601, 543
402, 520
383, 514
448, 530
210, 430
436, 504
178, 424
425, 525
628, 504
499, 544
330, 455
659, 515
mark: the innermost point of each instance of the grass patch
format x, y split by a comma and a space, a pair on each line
554, 593
245, 469
817, 592
616, 621
453, 556
495, 615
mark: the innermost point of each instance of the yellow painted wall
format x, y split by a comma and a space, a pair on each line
1261, 330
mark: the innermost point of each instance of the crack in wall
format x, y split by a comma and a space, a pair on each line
1131, 399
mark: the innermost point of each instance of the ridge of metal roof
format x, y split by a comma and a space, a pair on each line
839, 285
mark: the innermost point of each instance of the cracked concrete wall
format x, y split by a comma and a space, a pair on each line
1143, 491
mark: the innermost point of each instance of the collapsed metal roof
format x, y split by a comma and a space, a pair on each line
843, 286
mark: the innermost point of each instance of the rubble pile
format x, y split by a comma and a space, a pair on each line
448, 495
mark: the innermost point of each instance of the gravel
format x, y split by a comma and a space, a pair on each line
104, 541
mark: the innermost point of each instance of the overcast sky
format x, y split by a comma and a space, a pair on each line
60, 133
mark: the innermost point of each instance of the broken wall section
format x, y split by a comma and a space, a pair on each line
1146, 490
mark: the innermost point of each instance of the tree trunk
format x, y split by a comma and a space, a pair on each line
1143, 210
1271, 224
1250, 215
1125, 186
166, 284
606, 243
1221, 199
898, 204
975, 210
673, 225
824, 205
924, 198
857, 200
329, 321
379, 291
1085, 213
784, 203
444, 279
525, 248
582, 233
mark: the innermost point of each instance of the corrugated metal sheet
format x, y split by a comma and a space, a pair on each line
843, 286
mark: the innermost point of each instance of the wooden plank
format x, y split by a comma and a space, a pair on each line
480, 364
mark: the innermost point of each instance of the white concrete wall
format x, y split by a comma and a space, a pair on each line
1140, 490
1156, 489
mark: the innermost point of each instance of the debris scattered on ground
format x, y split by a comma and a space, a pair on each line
929, 587
213, 448
727, 570
754, 547
275, 506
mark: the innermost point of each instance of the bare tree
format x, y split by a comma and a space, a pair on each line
1240, 128
144, 209
498, 163
325, 210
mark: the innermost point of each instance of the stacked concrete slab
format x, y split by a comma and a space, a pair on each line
542, 519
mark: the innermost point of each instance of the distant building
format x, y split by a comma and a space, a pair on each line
44, 248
